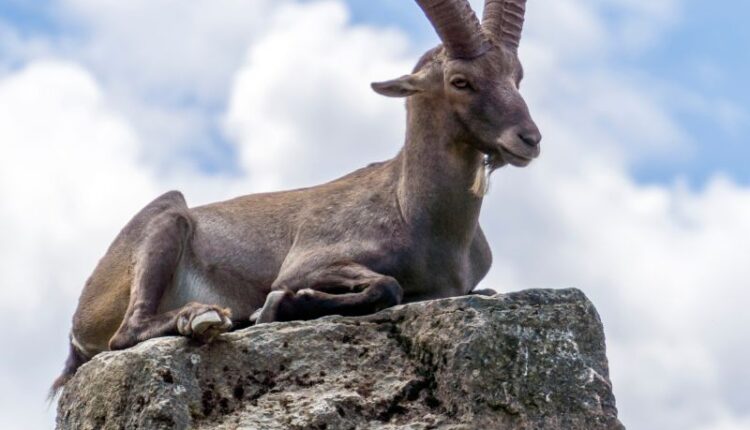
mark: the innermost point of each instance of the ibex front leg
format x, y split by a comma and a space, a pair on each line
157, 259
347, 289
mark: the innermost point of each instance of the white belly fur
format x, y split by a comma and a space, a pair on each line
190, 286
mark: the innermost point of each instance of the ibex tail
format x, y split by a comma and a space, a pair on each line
75, 359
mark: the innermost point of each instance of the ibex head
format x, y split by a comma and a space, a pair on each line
474, 76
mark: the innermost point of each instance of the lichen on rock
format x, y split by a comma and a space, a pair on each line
528, 360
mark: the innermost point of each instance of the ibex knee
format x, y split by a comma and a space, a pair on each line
173, 224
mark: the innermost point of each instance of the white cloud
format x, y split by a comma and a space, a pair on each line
662, 264
69, 179
640, 23
729, 422
570, 29
302, 110
68, 171
167, 66
168, 49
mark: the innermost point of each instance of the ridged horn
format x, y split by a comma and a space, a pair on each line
457, 26
503, 19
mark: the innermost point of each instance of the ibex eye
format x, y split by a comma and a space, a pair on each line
460, 83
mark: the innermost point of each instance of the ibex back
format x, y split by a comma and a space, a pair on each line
402, 230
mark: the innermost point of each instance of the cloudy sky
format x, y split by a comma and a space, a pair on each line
641, 198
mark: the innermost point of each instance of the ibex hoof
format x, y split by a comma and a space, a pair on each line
255, 315
269, 312
204, 322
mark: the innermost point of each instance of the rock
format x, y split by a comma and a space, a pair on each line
528, 360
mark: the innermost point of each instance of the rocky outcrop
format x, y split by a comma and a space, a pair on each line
528, 360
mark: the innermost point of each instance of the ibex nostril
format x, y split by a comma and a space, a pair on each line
531, 139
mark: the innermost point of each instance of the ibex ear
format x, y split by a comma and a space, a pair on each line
404, 86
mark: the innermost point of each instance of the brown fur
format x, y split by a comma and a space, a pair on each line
402, 230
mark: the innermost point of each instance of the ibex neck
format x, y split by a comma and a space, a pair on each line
437, 174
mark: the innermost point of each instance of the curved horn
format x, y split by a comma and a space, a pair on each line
457, 26
503, 19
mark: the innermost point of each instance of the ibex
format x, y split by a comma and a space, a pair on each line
397, 231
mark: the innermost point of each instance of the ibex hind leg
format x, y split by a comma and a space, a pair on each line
309, 297
157, 257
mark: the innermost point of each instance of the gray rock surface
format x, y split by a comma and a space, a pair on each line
528, 360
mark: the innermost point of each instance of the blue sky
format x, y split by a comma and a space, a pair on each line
33, 18
707, 51
638, 199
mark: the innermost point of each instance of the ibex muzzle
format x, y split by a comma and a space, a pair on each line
402, 230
